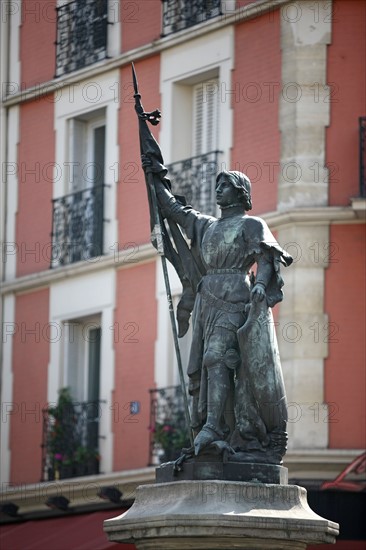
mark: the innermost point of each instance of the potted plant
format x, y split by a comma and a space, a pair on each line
70, 445
86, 461
66, 468
170, 438
62, 436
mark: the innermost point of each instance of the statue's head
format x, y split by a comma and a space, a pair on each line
241, 182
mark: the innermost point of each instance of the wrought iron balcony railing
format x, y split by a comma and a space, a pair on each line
362, 142
181, 14
81, 34
70, 440
77, 226
168, 429
194, 178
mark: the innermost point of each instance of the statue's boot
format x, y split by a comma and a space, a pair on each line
218, 386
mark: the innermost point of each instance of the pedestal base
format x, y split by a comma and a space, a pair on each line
225, 471
215, 515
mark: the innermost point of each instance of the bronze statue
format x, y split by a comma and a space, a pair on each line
235, 378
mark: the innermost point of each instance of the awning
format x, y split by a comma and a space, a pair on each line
79, 532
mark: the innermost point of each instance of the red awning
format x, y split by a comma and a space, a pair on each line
79, 532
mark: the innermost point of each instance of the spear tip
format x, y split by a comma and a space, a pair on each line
134, 77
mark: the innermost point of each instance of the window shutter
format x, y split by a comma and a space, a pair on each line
205, 117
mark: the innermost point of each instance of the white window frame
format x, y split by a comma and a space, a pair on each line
81, 150
75, 329
72, 103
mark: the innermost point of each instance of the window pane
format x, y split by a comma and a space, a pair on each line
99, 155
94, 364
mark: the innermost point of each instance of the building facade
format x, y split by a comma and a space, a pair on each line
275, 89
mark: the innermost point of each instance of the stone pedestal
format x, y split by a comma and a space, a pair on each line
217, 514
225, 471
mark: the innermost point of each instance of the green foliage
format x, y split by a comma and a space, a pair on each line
64, 441
170, 437
83, 454
62, 436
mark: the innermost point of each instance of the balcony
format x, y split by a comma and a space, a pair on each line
81, 34
168, 429
362, 145
182, 14
195, 178
70, 440
77, 226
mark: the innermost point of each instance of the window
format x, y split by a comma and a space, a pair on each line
82, 358
70, 442
194, 175
81, 34
362, 147
78, 216
181, 14
86, 152
82, 375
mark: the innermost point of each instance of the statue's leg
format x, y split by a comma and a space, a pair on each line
218, 383
221, 345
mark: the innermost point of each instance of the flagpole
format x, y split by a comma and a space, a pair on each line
158, 234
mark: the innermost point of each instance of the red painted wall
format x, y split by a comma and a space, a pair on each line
37, 42
345, 365
135, 314
133, 214
256, 82
36, 157
141, 23
340, 545
30, 364
243, 3
346, 64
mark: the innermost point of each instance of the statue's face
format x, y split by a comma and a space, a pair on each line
226, 193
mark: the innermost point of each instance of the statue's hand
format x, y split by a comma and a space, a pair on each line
258, 293
146, 163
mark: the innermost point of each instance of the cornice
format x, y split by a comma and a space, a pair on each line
319, 464
157, 46
79, 491
308, 464
123, 259
321, 215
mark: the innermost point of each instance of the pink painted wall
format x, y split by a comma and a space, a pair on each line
346, 64
36, 158
256, 82
345, 302
37, 41
135, 314
141, 22
133, 214
30, 364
